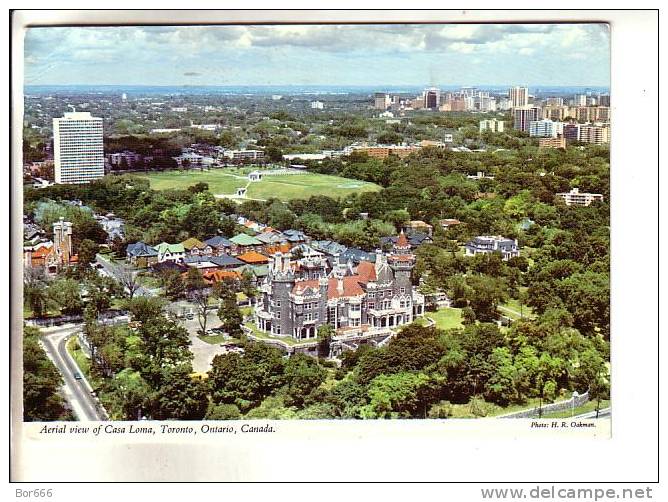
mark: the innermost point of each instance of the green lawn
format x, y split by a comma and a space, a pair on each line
284, 187
261, 334
446, 318
514, 310
79, 357
213, 339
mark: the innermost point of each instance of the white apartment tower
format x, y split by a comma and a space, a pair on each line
78, 148
518, 96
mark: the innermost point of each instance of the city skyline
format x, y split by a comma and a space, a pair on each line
347, 55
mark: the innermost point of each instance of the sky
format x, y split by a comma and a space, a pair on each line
379, 55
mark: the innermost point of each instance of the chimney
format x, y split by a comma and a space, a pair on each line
339, 285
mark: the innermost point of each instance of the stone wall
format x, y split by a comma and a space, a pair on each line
550, 408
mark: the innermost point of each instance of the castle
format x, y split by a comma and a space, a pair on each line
298, 296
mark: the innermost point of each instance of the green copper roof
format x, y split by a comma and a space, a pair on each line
245, 240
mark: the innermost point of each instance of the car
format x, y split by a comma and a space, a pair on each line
77, 375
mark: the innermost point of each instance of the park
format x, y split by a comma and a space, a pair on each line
225, 182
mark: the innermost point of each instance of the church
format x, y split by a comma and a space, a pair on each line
298, 296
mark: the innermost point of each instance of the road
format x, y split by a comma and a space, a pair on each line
604, 413
77, 392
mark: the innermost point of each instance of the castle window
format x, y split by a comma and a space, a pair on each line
402, 290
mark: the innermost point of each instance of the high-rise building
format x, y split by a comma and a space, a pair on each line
432, 98
518, 96
594, 134
523, 116
491, 125
580, 100
545, 128
317, 105
381, 101
554, 102
78, 148
604, 99
572, 131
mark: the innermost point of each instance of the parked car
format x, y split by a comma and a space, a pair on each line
77, 375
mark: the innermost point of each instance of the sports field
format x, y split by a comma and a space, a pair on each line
285, 187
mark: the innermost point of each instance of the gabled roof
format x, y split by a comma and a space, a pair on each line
295, 235
225, 261
164, 247
220, 275
279, 248
245, 240
218, 242
42, 252
366, 271
169, 265
140, 249
193, 243
356, 255
253, 257
271, 237
329, 247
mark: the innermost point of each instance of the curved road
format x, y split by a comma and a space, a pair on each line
77, 392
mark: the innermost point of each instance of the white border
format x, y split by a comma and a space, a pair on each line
630, 455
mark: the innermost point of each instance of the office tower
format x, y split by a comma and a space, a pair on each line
523, 116
432, 98
518, 96
381, 101
78, 148
604, 99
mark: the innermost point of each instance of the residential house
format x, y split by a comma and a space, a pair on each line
195, 247
141, 255
244, 242
484, 244
253, 258
219, 245
170, 252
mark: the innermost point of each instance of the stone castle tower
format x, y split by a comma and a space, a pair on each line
62, 241
402, 262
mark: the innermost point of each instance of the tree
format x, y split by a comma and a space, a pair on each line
199, 293
66, 294
230, 315
303, 375
87, 252
500, 387
325, 333
180, 397
132, 393
41, 383
405, 395
128, 278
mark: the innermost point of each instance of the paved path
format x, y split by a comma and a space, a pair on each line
77, 392
203, 352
